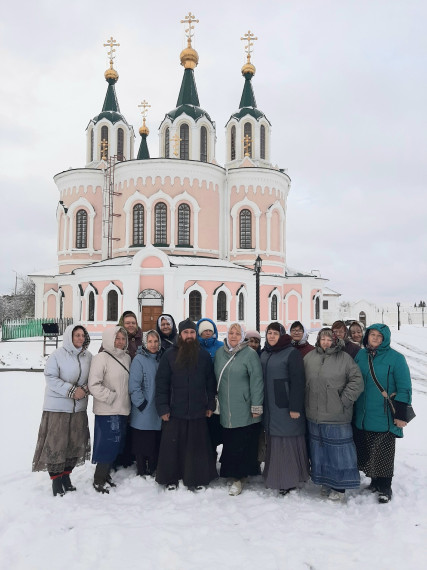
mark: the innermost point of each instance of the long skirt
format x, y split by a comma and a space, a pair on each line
185, 453
63, 442
375, 452
109, 438
333, 456
239, 456
145, 447
286, 464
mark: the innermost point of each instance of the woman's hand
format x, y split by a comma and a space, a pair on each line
165, 417
79, 394
400, 423
294, 415
209, 413
256, 415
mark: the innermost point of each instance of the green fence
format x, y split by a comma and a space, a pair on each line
23, 328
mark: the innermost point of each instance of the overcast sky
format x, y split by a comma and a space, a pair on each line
343, 83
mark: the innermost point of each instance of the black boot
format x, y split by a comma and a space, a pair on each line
66, 483
102, 473
373, 486
57, 487
384, 489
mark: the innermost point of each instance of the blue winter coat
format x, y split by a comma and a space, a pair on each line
142, 390
371, 410
210, 344
66, 368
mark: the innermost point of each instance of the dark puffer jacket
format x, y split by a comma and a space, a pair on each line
185, 393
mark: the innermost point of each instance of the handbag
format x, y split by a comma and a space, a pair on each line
217, 410
409, 413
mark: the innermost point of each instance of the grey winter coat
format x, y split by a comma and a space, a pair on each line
66, 369
333, 384
108, 380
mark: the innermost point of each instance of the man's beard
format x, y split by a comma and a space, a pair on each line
188, 353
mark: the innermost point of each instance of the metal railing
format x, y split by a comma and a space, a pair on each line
24, 328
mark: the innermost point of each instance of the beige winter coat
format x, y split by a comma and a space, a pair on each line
108, 380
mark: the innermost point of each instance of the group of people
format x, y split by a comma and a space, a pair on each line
168, 398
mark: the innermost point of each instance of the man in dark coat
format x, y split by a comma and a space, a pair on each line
340, 331
185, 397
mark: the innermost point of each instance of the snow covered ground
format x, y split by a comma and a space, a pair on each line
139, 525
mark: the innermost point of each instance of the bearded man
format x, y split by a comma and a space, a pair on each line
185, 397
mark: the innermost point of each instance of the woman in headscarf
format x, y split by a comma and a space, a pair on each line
355, 332
144, 420
375, 427
286, 464
299, 338
240, 394
167, 330
333, 384
64, 441
109, 386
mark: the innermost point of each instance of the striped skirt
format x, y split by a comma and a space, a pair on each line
333, 456
286, 464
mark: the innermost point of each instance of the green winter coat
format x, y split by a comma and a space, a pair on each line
241, 391
371, 410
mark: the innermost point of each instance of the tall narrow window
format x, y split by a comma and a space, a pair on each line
195, 306
103, 150
262, 142
241, 307
120, 144
81, 229
184, 145
247, 140
91, 307
221, 306
91, 144
273, 314
233, 142
112, 306
167, 143
317, 308
203, 144
138, 224
183, 224
245, 229
160, 224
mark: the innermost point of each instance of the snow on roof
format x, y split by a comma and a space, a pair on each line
45, 273
124, 260
203, 261
328, 291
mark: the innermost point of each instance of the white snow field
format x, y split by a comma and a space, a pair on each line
139, 525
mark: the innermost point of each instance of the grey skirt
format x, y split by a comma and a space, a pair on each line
63, 442
286, 464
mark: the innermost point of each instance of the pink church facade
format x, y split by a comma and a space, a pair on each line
179, 233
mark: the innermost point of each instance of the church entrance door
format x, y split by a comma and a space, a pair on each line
149, 318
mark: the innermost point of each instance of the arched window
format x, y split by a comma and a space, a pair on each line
317, 308
273, 309
91, 144
81, 229
195, 306
262, 142
138, 224
112, 306
160, 224
184, 145
167, 143
221, 306
183, 224
233, 142
203, 144
103, 150
241, 307
247, 139
120, 144
245, 229
91, 307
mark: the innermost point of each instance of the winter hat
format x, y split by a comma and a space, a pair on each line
205, 326
253, 334
187, 324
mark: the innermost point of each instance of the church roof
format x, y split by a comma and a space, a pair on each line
143, 152
248, 102
110, 108
188, 99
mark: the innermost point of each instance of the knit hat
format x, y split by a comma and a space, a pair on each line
187, 324
253, 334
205, 326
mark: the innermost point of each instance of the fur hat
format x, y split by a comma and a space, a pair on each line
205, 326
187, 324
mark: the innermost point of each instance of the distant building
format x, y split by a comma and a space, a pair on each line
178, 233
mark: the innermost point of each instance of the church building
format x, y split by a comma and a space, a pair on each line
180, 233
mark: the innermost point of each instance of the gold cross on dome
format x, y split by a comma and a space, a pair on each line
176, 140
249, 47
247, 140
145, 106
189, 32
111, 43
